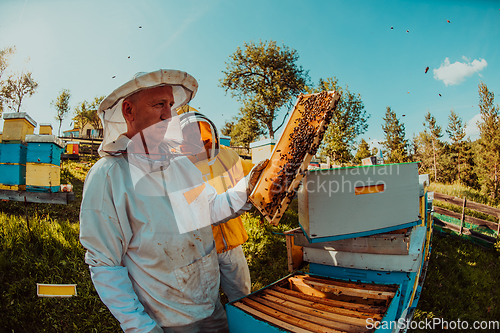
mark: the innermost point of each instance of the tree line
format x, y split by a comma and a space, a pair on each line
266, 78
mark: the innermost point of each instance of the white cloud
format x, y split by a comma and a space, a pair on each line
472, 131
452, 74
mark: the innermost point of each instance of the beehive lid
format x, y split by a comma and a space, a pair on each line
292, 153
46, 125
44, 138
19, 115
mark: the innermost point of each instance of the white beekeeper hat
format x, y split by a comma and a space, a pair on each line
184, 88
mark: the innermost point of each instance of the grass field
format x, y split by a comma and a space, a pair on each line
462, 280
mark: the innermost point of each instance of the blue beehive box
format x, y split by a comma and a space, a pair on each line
12, 176
13, 153
13, 166
45, 149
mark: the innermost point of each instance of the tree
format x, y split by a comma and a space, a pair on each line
488, 156
61, 103
5, 53
349, 120
92, 116
15, 88
86, 113
243, 130
395, 143
456, 133
363, 152
81, 118
422, 152
434, 134
227, 127
266, 77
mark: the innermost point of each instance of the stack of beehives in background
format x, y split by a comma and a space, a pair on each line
27, 161
14, 150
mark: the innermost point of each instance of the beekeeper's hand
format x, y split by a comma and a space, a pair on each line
254, 175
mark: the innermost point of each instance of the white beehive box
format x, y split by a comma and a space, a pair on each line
358, 201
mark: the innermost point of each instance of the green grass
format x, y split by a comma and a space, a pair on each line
462, 283
462, 191
462, 280
266, 246
50, 253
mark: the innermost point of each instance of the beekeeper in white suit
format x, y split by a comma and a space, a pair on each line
146, 213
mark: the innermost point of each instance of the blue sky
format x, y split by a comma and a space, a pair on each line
81, 45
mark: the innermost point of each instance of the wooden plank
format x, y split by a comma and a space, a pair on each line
345, 284
470, 204
339, 290
39, 197
466, 231
301, 314
294, 253
462, 218
341, 318
445, 224
386, 243
322, 307
332, 302
269, 319
473, 220
483, 236
288, 318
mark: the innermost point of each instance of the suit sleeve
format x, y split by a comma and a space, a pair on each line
106, 240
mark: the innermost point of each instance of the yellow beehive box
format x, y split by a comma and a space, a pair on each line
16, 126
41, 177
45, 129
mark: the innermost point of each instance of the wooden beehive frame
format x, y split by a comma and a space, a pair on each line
264, 194
303, 303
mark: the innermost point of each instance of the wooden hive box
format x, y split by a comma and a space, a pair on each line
44, 149
390, 258
72, 148
13, 166
312, 303
352, 202
45, 129
43, 163
16, 126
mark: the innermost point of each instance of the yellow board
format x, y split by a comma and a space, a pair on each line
16, 129
45, 129
55, 290
13, 187
39, 174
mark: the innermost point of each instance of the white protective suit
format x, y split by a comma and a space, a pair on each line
149, 268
